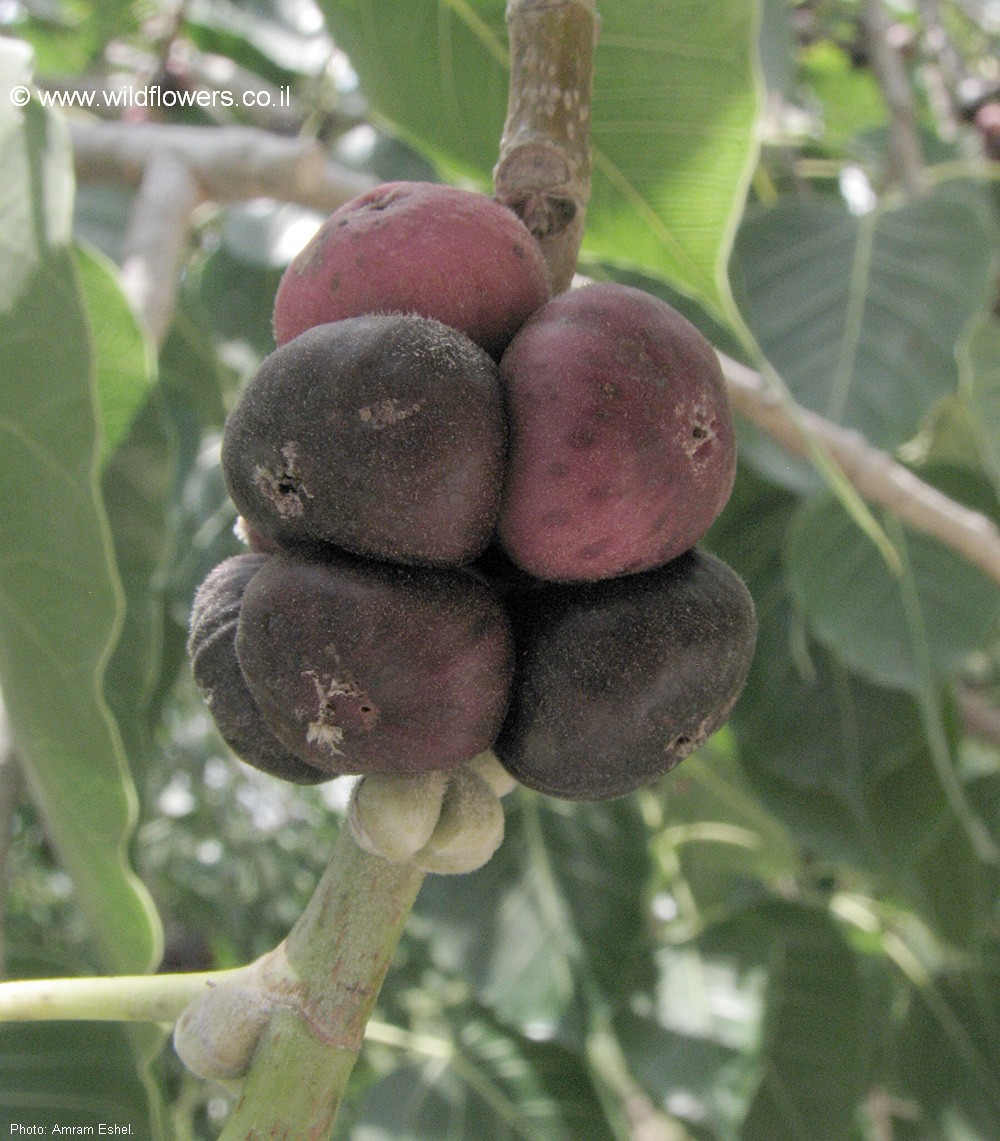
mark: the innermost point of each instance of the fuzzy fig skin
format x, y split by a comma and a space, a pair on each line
212, 651
622, 449
384, 436
616, 682
417, 247
361, 667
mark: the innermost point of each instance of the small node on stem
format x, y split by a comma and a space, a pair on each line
469, 829
217, 1034
393, 815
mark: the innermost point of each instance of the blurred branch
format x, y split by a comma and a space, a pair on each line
231, 164
874, 473
945, 75
156, 244
176, 168
906, 161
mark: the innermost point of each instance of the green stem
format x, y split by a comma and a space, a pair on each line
128, 998
338, 955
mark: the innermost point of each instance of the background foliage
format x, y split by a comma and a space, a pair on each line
797, 934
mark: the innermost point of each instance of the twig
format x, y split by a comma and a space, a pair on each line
906, 161
175, 168
231, 164
543, 171
874, 473
116, 998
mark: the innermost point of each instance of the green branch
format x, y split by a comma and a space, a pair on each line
337, 956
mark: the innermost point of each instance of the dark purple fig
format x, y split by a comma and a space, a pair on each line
381, 435
616, 682
212, 650
360, 667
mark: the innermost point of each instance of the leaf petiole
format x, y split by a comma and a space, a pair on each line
126, 998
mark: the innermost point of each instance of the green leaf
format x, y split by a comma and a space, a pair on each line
675, 104
60, 599
755, 1028
861, 315
980, 361
101, 214
694, 1040
71, 1074
489, 1084
238, 296
267, 37
949, 1052
192, 370
37, 193
811, 744
171, 520
557, 909
139, 484
808, 733
453, 102
675, 107
849, 95
67, 38
858, 609
777, 39
929, 621
813, 1071
716, 838
920, 835
123, 352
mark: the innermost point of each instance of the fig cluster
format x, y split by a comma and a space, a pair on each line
473, 512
